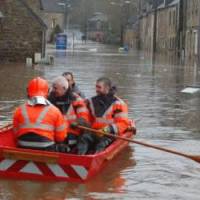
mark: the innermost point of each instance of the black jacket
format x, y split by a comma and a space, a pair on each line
102, 103
62, 103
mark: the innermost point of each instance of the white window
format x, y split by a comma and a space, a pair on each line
53, 23
195, 42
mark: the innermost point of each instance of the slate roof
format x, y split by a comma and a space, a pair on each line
52, 6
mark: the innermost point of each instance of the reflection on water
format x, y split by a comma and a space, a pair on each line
167, 118
14, 78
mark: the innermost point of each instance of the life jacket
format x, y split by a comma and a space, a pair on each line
115, 115
45, 121
77, 110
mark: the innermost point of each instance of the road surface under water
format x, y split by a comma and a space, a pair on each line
166, 117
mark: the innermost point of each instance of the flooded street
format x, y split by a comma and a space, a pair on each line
164, 115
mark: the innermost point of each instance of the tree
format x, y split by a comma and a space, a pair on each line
55, 31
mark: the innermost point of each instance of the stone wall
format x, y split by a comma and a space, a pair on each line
192, 29
146, 32
22, 33
131, 38
167, 29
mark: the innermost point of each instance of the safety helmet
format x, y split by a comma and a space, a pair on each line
37, 87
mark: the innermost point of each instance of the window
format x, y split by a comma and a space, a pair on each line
169, 17
174, 17
53, 23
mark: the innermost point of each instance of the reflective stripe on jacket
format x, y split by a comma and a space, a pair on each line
43, 120
116, 116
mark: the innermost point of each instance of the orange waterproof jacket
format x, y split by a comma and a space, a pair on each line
44, 120
77, 110
116, 117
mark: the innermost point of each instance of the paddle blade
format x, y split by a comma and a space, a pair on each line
195, 158
190, 90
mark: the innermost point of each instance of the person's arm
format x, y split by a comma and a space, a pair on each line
121, 121
81, 110
61, 128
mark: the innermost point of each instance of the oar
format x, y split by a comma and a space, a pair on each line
192, 157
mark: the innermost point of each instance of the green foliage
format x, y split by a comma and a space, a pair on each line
55, 31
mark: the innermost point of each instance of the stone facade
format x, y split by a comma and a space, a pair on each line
51, 20
146, 32
192, 29
167, 29
51, 16
22, 32
160, 27
97, 27
131, 38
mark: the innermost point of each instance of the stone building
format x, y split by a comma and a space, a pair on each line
168, 27
51, 12
161, 27
192, 29
147, 22
146, 26
131, 36
22, 32
97, 27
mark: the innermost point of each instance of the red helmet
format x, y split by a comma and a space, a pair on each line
38, 87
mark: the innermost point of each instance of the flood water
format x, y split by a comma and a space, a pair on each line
164, 115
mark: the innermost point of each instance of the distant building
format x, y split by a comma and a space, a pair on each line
22, 32
51, 12
97, 27
131, 36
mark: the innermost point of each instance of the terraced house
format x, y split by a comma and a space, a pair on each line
22, 31
160, 27
169, 28
51, 12
192, 29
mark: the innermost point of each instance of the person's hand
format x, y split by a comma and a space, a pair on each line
82, 122
106, 129
103, 131
74, 125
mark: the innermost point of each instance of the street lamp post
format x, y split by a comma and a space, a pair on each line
66, 6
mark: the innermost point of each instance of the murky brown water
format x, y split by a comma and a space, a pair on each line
167, 118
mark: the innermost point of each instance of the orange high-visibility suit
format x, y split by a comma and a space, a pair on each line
113, 115
45, 121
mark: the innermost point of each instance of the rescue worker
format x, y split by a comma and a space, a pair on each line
37, 123
70, 78
72, 106
108, 113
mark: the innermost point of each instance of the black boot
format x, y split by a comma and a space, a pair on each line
104, 142
85, 143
